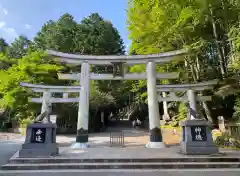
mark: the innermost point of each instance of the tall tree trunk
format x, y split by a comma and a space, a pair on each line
193, 72
197, 68
207, 112
219, 50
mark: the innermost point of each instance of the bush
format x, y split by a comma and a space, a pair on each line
236, 113
3, 126
225, 140
25, 122
182, 115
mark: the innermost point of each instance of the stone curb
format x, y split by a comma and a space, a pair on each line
119, 166
121, 160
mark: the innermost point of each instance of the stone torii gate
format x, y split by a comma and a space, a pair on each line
47, 91
196, 133
191, 96
118, 61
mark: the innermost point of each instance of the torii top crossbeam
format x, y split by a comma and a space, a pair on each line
183, 87
48, 88
108, 60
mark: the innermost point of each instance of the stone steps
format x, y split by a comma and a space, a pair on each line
134, 163
168, 165
121, 160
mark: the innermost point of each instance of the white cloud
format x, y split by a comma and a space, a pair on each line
2, 24
27, 26
5, 11
11, 32
7, 33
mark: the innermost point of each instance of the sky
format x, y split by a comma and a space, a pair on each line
26, 17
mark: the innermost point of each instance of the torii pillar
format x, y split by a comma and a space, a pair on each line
83, 110
46, 104
153, 111
192, 104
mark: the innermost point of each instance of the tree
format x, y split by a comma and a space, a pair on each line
19, 47
57, 35
31, 68
3, 45
201, 26
98, 36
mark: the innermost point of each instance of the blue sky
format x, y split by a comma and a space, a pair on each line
25, 17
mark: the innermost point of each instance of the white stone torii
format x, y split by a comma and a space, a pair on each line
47, 98
109, 59
150, 60
183, 87
191, 97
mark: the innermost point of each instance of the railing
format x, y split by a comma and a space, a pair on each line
117, 139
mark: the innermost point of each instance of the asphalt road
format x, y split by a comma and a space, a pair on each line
7, 149
129, 173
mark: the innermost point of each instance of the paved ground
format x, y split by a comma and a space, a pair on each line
7, 149
9, 144
134, 139
130, 173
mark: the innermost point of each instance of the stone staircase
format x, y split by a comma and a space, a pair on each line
57, 163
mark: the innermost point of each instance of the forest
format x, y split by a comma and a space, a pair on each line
208, 29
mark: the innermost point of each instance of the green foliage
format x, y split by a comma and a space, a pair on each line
25, 122
226, 140
93, 35
6, 62
100, 99
182, 110
19, 47
3, 45
30, 68
236, 113
209, 29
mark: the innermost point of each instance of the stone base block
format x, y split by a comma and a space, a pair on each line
38, 150
198, 150
155, 145
197, 138
78, 145
40, 141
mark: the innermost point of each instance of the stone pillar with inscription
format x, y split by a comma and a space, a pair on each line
83, 110
40, 141
154, 119
196, 133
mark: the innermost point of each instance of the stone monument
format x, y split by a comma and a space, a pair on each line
196, 133
40, 138
197, 138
